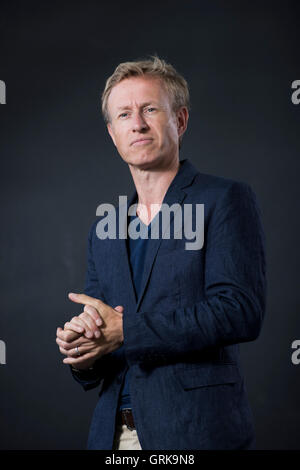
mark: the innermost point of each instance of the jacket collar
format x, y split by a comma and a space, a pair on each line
183, 178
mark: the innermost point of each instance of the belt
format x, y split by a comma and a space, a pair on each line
125, 416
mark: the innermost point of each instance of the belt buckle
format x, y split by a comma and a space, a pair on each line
125, 413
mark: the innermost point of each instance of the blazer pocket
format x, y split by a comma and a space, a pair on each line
217, 374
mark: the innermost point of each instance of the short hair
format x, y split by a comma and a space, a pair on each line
175, 84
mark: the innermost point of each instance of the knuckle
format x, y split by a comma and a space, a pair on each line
59, 333
62, 335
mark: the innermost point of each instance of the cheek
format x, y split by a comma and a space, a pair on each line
121, 140
171, 133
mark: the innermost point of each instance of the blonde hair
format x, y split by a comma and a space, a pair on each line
175, 84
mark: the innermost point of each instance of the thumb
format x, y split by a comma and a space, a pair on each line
119, 308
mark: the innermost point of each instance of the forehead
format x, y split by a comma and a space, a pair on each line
138, 90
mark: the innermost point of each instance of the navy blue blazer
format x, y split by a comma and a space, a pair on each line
182, 335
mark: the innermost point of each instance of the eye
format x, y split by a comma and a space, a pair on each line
151, 109
123, 115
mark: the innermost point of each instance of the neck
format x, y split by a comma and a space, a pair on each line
151, 186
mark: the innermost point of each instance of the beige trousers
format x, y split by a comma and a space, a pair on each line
125, 439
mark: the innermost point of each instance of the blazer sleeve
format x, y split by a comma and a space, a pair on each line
233, 307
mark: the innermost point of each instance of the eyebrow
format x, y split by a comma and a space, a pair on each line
147, 103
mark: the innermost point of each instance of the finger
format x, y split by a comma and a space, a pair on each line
63, 351
80, 322
74, 325
92, 327
119, 308
79, 342
93, 312
74, 352
77, 360
86, 329
60, 333
62, 344
85, 300
71, 335
68, 335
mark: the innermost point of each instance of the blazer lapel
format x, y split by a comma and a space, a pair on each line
175, 194
120, 256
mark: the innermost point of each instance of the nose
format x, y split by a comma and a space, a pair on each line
139, 123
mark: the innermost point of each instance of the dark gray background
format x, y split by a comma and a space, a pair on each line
58, 164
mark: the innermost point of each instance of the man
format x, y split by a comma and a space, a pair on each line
161, 324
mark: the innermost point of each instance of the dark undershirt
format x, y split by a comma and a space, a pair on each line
136, 250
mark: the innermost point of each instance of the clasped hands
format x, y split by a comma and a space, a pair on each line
98, 330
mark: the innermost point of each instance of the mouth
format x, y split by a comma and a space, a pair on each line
141, 142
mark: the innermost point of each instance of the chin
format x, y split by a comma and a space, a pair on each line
144, 161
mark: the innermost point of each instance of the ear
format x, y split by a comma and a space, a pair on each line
111, 132
182, 120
